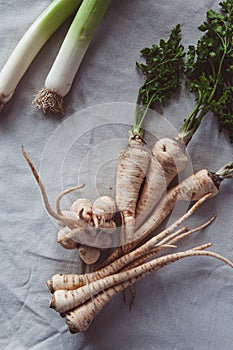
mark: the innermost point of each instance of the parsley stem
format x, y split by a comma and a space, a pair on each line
202, 107
164, 64
217, 78
140, 115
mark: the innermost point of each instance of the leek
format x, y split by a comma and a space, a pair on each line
70, 55
31, 43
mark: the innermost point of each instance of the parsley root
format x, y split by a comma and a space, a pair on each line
168, 159
193, 188
164, 237
129, 182
162, 71
131, 170
208, 72
80, 298
79, 319
65, 300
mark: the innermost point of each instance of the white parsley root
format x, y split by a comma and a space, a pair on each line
192, 188
157, 243
165, 67
63, 301
80, 318
131, 170
168, 158
87, 301
80, 298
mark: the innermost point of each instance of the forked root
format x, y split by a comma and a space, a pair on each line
49, 101
178, 235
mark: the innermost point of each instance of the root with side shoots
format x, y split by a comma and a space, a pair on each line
100, 212
85, 226
99, 215
170, 241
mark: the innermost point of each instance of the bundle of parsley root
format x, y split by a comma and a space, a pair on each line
142, 197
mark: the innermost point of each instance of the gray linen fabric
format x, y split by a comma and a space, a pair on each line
186, 306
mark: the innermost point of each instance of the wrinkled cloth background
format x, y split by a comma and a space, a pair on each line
185, 306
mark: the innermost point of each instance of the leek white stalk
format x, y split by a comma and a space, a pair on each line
31, 43
70, 55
